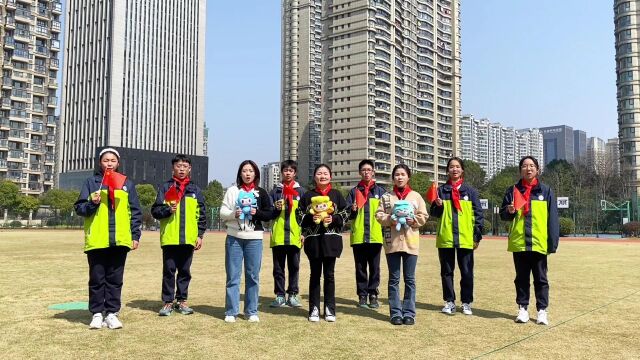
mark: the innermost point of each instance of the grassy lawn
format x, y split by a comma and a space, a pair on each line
594, 308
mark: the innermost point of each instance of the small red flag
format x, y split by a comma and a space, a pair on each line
360, 200
518, 199
172, 196
113, 181
432, 193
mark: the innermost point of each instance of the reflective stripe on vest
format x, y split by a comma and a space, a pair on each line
456, 229
286, 230
98, 234
182, 226
365, 228
529, 233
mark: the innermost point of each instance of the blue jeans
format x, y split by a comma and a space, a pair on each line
235, 251
406, 308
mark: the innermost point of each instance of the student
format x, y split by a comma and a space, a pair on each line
110, 206
322, 242
244, 241
459, 232
534, 234
285, 236
366, 234
401, 246
183, 222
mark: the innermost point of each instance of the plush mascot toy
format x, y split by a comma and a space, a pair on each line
402, 210
321, 205
246, 201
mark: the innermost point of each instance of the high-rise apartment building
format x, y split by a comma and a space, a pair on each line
627, 35
596, 153
301, 98
134, 80
29, 61
270, 176
613, 155
390, 90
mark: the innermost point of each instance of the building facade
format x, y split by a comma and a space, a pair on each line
29, 61
596, 153
390, 89
133, 79
579, 145
558, 143
270, 176
613, 155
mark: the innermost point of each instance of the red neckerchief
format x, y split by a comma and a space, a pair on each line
527, 192
248, 187
455, 194
181, 185
366, 187
288, 193
325, 191
402, 195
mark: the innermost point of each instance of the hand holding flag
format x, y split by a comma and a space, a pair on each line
113, 181
171, 196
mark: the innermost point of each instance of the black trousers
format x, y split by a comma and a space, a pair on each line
291, 255
106, 270
367, 255
447, 267
318, 266
527, 262
176, 257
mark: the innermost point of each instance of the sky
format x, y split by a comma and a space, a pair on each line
524, 64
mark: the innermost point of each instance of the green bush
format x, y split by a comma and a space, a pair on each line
631, 229
566, 226
15, 224
429, 227
487, 227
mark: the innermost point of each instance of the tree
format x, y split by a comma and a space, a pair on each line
8, 194
213, 194
26, 204
420, 183
474, 175
147, 195
498, 185
60, 200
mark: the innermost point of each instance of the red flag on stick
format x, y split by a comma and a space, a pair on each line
360, 200
113, 181
432, 193
172, 196
518, 199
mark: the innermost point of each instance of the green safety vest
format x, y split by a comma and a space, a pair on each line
182, 226
464, 222
538, 228
279, 233
97, 234
365, 224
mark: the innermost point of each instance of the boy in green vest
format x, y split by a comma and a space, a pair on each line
183, 221
285, 235
366, 234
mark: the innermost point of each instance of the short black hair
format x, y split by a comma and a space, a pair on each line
535, 161
455, 158
289, 164
256, 180
401, 166
322, 166
181, 157
366, 162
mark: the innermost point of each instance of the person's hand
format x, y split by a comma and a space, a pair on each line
354, 207
316, 218
135, 244
198, 244
328, 220
279, 204
475, 245
439, 202
511, 209
253, 211
95, 197
174, 207
238, 212
410, 221
302, 239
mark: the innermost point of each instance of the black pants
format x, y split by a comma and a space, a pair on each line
447, 267
106, 270
318, 266
176, 257
367, 254
527, 262
291, 255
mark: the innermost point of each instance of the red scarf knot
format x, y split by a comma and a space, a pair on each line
527, 193
455, 194
325, 191
402, 194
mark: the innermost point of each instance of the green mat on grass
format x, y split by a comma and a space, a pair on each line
80, 305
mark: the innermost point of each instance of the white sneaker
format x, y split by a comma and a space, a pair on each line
523, 315
96, 321
315, 315
328, 316
543, 318
229, 319
449, 308
112, 321
254, 318
466, 309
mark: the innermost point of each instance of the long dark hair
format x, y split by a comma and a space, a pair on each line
256, 179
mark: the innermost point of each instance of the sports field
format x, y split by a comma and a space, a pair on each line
594, 309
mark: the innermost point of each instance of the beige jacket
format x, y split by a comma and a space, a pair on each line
405, 240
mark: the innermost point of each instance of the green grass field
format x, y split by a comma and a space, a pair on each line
594, 309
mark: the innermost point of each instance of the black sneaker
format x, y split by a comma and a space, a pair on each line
362, 302
373, 301
396, 320
409, 321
